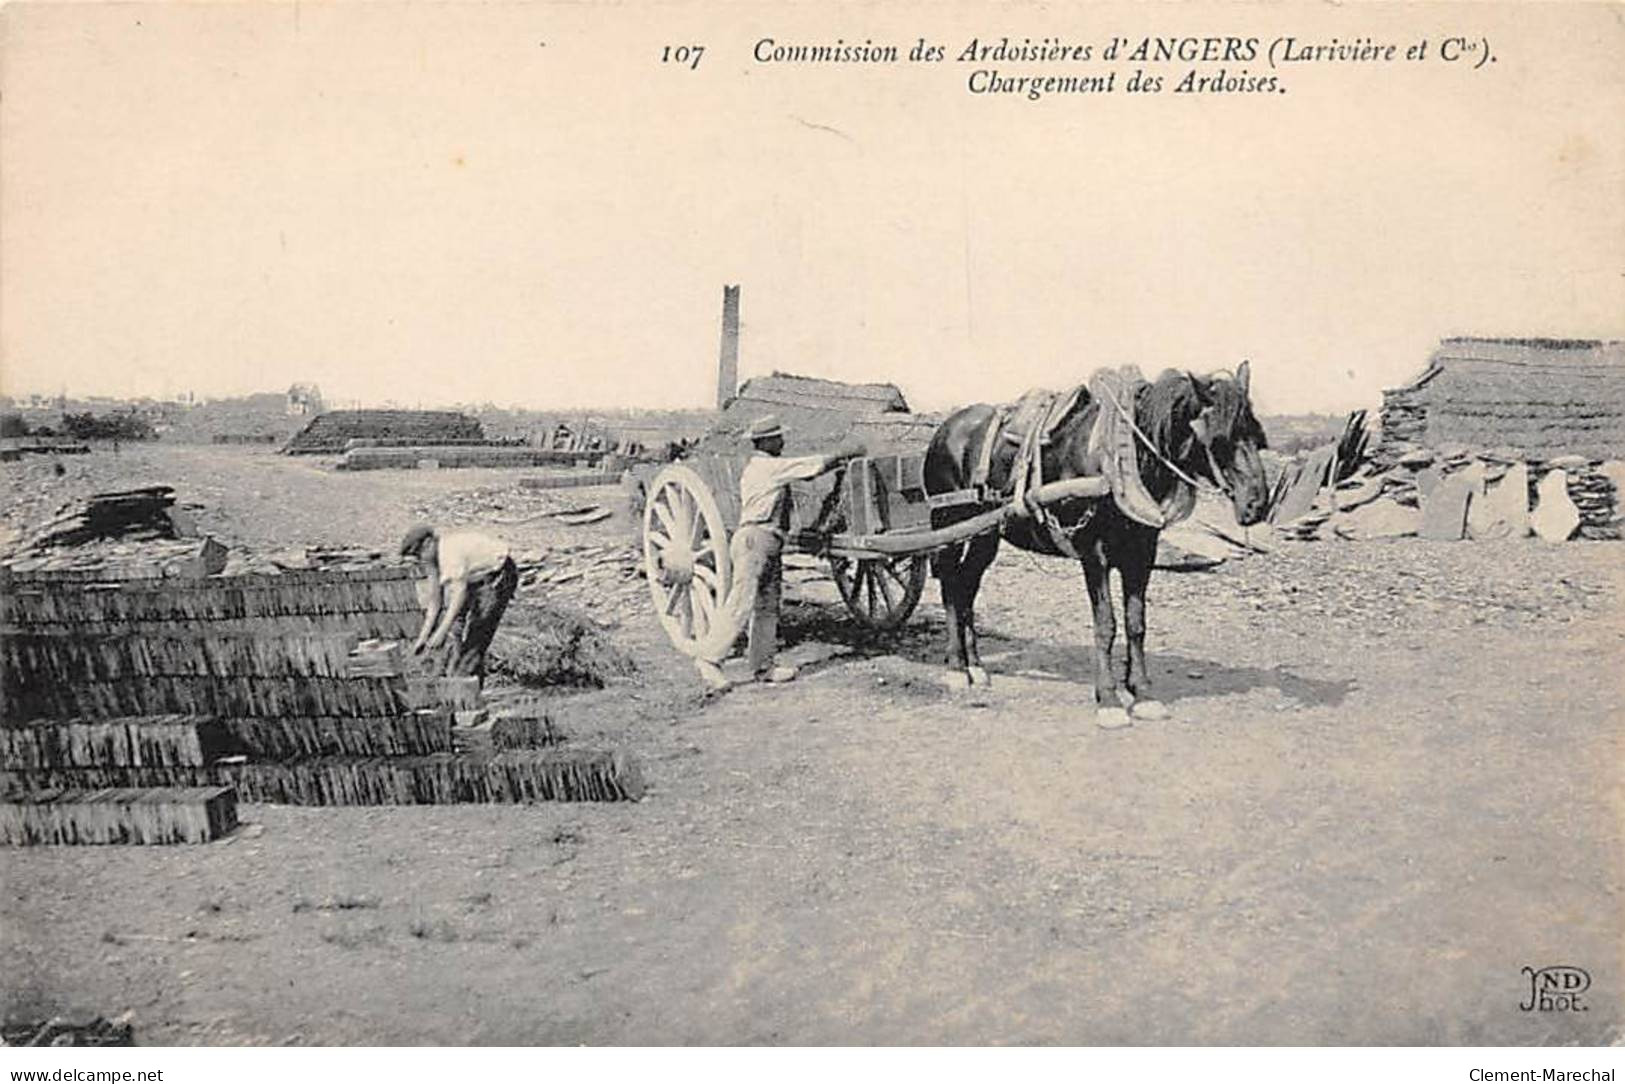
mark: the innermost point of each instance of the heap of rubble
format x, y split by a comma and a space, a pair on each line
1454, 493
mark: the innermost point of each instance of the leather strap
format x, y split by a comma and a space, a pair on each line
984, 455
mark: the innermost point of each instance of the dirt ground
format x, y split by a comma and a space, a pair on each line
1394, 777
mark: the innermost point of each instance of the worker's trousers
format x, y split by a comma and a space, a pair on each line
752, 601
476, 626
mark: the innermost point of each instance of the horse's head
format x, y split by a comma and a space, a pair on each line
1227, 439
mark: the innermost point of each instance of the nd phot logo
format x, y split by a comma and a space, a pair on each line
1556, 989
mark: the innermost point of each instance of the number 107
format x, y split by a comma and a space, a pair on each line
682, 54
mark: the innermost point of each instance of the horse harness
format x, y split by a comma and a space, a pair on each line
1127, 415
1031, 424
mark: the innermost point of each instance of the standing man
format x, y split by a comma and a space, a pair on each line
472, 578
756, 553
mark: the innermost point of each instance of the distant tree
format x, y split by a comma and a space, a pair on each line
89, 426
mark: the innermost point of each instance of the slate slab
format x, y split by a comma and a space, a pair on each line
1300, 495
1503, 510
1555, 517
1378, 520
1444, 511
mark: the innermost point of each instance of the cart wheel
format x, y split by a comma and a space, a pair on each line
685, 554
881, 592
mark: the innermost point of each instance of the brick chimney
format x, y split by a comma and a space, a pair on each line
728, 362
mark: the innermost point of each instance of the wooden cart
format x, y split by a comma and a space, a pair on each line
871, 520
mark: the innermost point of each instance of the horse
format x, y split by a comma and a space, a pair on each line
1190, 427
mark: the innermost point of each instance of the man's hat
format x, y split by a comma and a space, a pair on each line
414, 538
764, 427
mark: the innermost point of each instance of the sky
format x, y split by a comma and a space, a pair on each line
520, 204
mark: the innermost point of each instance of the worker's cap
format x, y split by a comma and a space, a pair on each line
764, 427
414, 539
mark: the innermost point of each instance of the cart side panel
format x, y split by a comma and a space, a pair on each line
887, 493
877, 494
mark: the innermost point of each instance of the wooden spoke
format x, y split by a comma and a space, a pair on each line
885, 579
699, 534
704, 608
682, 529
845, 581
663, 513
685, 554
880, 592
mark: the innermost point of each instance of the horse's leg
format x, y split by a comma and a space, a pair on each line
1134, 564
979, 555
1109, 712
946, 566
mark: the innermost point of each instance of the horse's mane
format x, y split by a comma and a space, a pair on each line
1167, 403
1173, 400
1165, 408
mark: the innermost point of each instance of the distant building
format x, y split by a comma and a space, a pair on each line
304, 400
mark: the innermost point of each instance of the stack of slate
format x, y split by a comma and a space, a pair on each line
1593, 491
464, 455
14, 448
132, 514
1544, 397
375, 658
159, 741
1404, 426
65, 1031
330, 433
153, 560
443, 778
367, 601
573, 479
244, 438
255, 645
119, 815
174, 749
280, 686
258, 695
462, 442
67, 667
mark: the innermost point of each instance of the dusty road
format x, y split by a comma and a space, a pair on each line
1393, 779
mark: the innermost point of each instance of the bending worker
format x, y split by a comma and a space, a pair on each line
472, 577
756, 553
